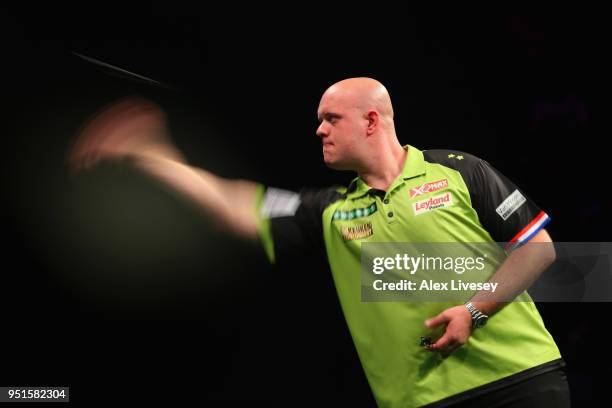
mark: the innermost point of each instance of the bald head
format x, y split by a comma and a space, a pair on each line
356, 124
363, 94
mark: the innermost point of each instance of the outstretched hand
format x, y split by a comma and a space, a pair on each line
126, 128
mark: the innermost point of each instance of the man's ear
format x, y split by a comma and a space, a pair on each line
373, 120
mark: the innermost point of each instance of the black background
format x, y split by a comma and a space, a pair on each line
115, 287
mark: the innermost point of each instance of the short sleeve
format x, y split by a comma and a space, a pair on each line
504, 210
291, 223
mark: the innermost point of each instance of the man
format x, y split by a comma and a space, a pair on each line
513, 361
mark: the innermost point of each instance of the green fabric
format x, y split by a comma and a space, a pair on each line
386, 334
264, 228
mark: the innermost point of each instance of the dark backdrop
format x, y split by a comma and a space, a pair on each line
115, 287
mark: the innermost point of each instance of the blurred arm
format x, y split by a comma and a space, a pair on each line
134, 130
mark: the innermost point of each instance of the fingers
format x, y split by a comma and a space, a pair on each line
111, 131
436, 321
441, 344
92, 129
446, 344
457, 330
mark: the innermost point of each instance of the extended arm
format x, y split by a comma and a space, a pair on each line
134, 130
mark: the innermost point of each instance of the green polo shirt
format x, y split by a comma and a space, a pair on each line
440, 196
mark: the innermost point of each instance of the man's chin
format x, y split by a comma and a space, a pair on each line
334, 164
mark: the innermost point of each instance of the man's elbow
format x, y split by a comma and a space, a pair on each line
551, 254
545, 246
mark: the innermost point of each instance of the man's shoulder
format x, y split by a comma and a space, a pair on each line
455, 159
323, 197
334, 190
449, 156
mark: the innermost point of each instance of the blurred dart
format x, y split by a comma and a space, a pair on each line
116, 71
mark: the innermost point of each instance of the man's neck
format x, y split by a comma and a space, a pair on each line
385, 167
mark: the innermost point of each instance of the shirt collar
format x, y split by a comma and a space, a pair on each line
413, 166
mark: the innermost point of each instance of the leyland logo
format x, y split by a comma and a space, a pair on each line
428, 188
433, 203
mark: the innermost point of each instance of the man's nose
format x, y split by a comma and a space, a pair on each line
322, 130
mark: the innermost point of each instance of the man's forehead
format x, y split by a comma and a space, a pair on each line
330, 102
327, 110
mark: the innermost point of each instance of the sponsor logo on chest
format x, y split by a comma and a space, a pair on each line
433, 203
357, 232
428, 188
